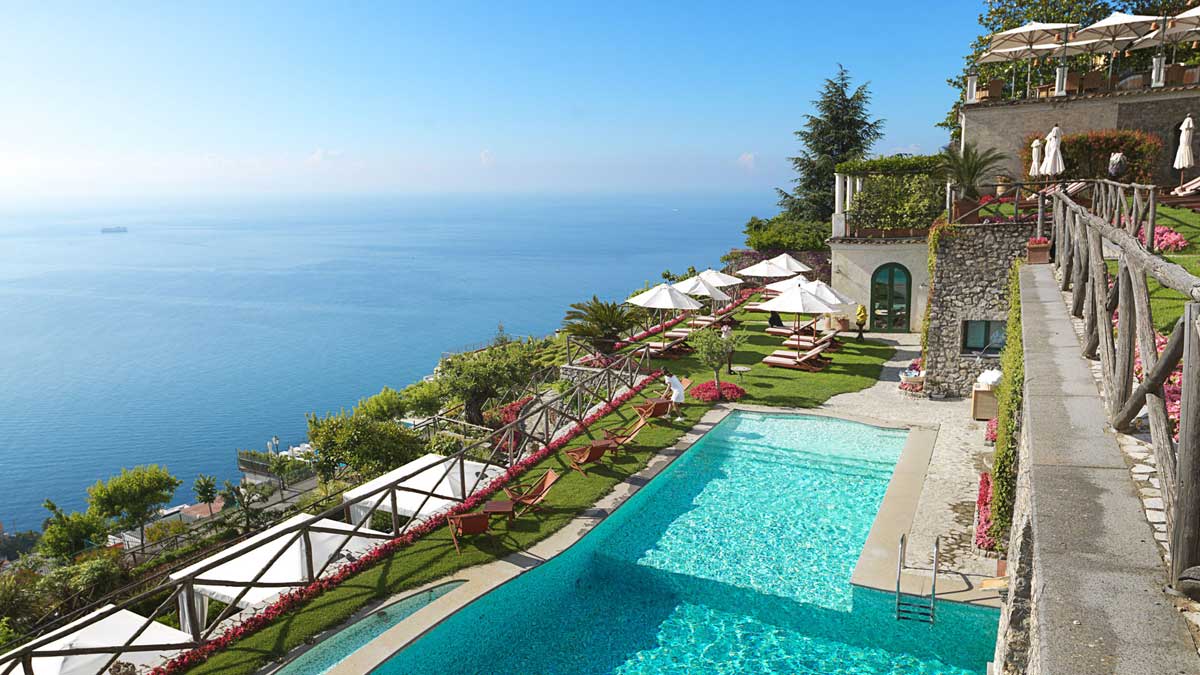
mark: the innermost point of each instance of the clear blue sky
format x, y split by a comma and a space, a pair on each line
171, 98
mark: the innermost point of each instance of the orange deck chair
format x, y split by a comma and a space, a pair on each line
465, 525
530, 495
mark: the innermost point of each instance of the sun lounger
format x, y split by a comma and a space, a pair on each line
1188, 189
676, 333
827, 338
809, 361
530, 495
465, 525
661, 350
625, 436
589, 454
788, 331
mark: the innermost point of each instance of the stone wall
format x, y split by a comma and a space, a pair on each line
970, 284
1015, 648
1005, 126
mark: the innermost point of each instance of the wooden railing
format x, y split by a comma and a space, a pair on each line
537, 426
1082, 239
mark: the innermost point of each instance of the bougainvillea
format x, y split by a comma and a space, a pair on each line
912, 387
983, 514
707, 391
1172, 387
1165, 239
1039, 241
989, 434
291, 600
505, 414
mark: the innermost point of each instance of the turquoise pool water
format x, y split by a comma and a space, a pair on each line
329, 652
737, 559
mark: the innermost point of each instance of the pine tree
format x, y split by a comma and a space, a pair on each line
841, 130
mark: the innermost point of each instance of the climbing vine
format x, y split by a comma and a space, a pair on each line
1009, 395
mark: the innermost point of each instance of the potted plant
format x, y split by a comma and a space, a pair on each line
1038, 250
966, 168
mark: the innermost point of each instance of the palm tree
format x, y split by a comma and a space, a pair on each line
599, 323
967, 168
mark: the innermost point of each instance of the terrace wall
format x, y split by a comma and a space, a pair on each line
969, 284
1005, 125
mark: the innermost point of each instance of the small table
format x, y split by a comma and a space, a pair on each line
500, 507
740, 371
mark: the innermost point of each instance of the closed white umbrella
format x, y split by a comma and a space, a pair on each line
1035, 167
719, 279
789, 263
663, 296
766, 269
1053, 164
830, 296
787, 284
1183, 156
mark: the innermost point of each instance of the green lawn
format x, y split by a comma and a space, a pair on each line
855, 367
1166, 305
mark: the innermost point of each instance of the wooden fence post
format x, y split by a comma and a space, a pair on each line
1185, 540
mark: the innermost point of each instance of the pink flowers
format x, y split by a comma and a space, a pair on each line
989, 434
1039, 241
1165, 239
1172, 387
983, 514
291, 600
707, 391
912, 387
916, 364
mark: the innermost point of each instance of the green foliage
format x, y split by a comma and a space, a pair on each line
1009, 394
443, 443
318, 500
426, 397
247, 502
20, 601
79, 584
892, 164
182, 552
134, 496
205, 489
1086, 154
7, 633
897, 201
785, 232
970, 167
365, 445
714, 351
66, 534
387, 405
601, 324
480, 375
15, 544
672, 278
840, 131
164, 529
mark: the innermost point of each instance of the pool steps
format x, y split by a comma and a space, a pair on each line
909, 606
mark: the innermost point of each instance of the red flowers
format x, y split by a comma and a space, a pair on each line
989, 434
1039, 241
291, 600
505, 414
707, 391
983, 514
673, 322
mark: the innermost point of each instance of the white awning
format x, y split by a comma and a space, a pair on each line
111, 631
433, 474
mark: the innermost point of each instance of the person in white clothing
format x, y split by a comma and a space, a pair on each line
674, 391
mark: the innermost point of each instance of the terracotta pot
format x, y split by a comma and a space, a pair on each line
1038, 254
966, 211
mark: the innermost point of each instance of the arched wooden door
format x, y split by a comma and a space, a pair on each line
891, 298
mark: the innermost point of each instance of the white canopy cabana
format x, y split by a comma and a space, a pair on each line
787, 262
290, 567
663, 296
111, 631
767, 270
787, 284
719, 279
436, 484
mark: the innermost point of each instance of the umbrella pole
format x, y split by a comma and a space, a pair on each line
1028, 77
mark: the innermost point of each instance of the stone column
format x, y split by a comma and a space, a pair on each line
1060, 80
1158, 75
839, 205
972, 88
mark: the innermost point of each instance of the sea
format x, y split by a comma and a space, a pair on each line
214, 325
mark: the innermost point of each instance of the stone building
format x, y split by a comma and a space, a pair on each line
1004, 125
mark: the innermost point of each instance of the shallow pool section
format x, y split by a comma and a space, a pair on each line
737, 559
330, 651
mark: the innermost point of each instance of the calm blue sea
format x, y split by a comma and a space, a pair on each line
212, 327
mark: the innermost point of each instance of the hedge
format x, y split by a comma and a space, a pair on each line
1010, 395
1086, 154
892, 164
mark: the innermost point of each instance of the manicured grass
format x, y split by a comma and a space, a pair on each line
1166, 305
855, 366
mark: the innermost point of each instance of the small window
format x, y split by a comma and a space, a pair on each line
983, 337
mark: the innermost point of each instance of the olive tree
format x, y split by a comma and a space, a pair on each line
714, 350
132, 497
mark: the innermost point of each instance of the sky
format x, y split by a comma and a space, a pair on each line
133, 100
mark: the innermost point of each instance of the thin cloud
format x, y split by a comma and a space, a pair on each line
322, 156
486, 159
746, 161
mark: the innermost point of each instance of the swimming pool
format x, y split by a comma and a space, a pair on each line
736, 559
329, 652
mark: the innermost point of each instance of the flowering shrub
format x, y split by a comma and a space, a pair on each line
291, 600
1172, 387
989, 433
1086, 154
707, 391
505, 414
917, 364
912, 387
993, 199
1039, 241
1165, 239
983, 514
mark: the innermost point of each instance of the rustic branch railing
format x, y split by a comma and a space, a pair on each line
535, 427
1083, 240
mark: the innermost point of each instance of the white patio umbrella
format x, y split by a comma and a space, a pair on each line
767, 270
787, 284
1032, 33
797, 301
1053, 164
1185, 20
789, 263
662, 297
1118, 26
719, 279
699, 287
830, 296
1183, 156
1014, 54
1035, 167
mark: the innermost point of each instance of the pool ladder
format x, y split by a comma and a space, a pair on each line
911, 607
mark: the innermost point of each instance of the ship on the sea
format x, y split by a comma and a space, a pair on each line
114, 230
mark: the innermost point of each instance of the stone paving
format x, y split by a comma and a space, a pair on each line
947, 505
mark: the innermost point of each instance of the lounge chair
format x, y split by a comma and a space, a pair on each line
788, 331
827, 338
668, 350
810, 361
1188, 189
588, 454
530, 495
676, 333
653, 409
465, 525
625, 436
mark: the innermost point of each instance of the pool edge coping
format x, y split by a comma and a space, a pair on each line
880, 574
